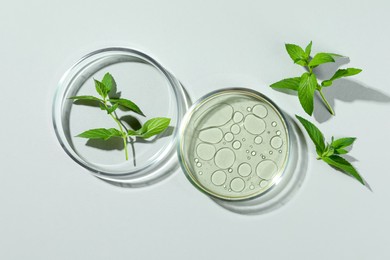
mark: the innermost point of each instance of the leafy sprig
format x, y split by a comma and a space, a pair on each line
307, 83
331, 152
109, 104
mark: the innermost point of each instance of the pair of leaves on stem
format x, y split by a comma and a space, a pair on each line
330, 152
151, 127
103, 88
307, 83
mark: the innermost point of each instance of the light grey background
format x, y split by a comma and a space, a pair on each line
51, 208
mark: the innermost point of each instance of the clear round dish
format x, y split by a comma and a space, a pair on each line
234, 144
144, 81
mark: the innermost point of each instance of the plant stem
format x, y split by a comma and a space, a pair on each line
126, 152
132, 148
326, 102
124, 136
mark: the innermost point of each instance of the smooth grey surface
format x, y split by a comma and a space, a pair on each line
51, 208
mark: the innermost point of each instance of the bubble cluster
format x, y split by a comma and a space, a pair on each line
232, 139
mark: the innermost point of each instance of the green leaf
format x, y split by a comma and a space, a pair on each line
108, 82
329, 150
133, 133
343, 165
128, 104
152, 127
89, 98
306, 89
340, 74
101, 133
103, 107
340, 151
308, 49
315, 134
320, 58
343, 142
297, 54
301, 61
290, 83
101, 89
112, 108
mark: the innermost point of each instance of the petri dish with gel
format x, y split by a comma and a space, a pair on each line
234, 144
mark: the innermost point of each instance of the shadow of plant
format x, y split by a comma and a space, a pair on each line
348, 91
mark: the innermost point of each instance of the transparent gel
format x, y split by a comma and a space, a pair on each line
234, 144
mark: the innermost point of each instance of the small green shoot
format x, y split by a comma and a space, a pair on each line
307, 83
109, 104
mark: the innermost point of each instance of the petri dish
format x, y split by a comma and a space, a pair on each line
144, 81
234, 144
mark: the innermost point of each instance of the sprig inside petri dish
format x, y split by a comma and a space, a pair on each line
109, 104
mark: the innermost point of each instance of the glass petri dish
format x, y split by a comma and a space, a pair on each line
139, 78
234, 144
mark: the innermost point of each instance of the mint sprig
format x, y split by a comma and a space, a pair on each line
330, 152
109, 104
307, 83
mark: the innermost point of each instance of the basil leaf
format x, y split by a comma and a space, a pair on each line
343, 142
112, 108
88, 98
290, 83
108, 82
340, 151
128, 104
343, 165
308, 49
133, 133
320, 58
101, 133
306, 89
297, 54
102, 107
152, 127
315, 134
101, 89
340, 74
